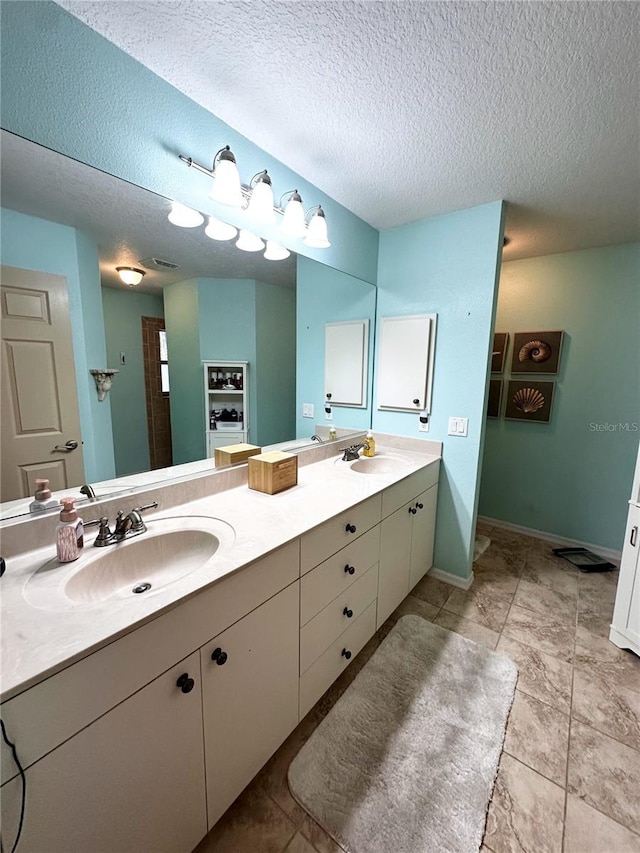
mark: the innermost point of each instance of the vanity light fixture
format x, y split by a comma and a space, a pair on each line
227, 188
249, 242
317, 229
130, 275
184, 217
260, 205
218, 230
276, 252
293, 220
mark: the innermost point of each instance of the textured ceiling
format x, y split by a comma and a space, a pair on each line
127, 223
403, 110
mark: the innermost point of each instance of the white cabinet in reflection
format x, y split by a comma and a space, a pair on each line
226, 410
405, 362
346, 348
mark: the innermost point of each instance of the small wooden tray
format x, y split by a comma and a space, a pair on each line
232, 454
273, 472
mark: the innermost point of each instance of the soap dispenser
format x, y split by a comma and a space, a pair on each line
370, 445
69, 532
42, 498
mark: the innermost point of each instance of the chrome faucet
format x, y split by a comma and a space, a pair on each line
126, 526
317, 438
351, 453
88, 491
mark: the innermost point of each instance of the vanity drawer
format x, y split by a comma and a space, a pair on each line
330, 537
400, 493
321, 674
327, 625
329, 579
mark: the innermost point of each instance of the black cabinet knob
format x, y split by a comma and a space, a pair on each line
348, 613
346, 654
416, 402
350, 570
350, 528
419, 505
185, 683
219, 656
413, 510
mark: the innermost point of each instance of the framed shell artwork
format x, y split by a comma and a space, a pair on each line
529, 401
536, 352
495, 398
500, 343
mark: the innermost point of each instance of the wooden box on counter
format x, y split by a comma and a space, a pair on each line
273, 472
232, 454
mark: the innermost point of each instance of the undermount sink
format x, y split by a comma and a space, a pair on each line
170, 549
384, 463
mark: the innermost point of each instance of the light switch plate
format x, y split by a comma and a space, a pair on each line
307, 410
458, 427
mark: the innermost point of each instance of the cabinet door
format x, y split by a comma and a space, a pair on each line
250, 701
404, 363
395, 555
345, 362
626, 615
130, 782
423, 535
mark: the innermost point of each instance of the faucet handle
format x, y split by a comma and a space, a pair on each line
104, 533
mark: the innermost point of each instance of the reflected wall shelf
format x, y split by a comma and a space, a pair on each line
226, 396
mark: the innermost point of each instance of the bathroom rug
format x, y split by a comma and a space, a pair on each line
480, 545
406, 759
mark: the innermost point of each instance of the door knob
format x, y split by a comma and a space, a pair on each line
67, 447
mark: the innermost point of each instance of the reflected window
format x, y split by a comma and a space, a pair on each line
164, 362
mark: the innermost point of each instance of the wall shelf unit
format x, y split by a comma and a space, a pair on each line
226, 395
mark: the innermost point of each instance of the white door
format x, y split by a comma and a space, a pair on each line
39, 395
249, 695
626, 615
404, 363
423, 535
395, 554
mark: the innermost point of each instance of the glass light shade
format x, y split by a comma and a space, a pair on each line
317, 232
293, 223
261, 203
276, 252
184, 217
248, 242
219, 230
226, 184
130, 275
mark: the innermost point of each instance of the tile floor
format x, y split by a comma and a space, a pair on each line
569, 777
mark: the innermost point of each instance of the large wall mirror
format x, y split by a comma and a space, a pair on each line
71, 225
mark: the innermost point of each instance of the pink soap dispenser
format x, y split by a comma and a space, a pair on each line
69, 532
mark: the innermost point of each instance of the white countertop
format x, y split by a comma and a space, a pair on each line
38, 642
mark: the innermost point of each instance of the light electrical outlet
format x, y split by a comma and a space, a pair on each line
423, 427
328, 415
307, 410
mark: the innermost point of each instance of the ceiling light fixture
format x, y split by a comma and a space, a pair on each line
256, 199
276, 252
130, 275
249, 242
218, 230
184, 217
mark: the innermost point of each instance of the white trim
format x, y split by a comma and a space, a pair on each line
601, 551
447, 577
620, 639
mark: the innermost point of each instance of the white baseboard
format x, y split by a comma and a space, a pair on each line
454, 580
609, 553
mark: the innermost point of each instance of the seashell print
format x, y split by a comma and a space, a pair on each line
537, 351
528, 400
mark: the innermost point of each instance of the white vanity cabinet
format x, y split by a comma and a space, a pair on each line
133, 780
249, 696
625, 627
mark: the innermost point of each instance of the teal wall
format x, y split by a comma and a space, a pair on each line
568, 477
448, 265
69, 89
328, 296
36, 244
123, 310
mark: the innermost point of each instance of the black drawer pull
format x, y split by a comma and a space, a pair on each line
185, 683
346, 654
350, 570
348, 613
219, 656
419, 505
413, 510
350, 528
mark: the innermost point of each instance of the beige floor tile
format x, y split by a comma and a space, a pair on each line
596, 654
480, 607
589, 831
501, 560
412, 606
467, 628
606, 774
254, 822
542, 631
559, 605
432, 590
499, 582
526, 811
299, 844
538, 736
610, 708
539, 675
551, 572
321, 841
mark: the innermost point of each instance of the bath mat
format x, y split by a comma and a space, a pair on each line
480, 545
406, 759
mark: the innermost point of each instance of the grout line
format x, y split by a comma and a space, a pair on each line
573, 671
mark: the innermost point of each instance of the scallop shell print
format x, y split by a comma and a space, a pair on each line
528, 400
537, 351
